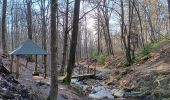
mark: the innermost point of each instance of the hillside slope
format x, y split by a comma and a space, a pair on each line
149, 77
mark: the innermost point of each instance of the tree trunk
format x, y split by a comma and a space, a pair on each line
44, 45
54, 81
29, 18
169, 14
65, 41
4, 47
85, 42
123, 31
98, 31
73, 41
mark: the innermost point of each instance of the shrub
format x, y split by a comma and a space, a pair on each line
101, 58
148, 48
94, 54
98, 56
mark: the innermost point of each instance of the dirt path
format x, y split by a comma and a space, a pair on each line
37, 84
41, 86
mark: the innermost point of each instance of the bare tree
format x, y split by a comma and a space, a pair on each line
4, 47
106, 11
44, 37
54, 74
73, 45
65, 39
29, 18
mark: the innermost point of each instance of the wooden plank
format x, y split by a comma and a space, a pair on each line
84, 76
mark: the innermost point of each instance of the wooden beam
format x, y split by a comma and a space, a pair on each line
95, 70
84, 76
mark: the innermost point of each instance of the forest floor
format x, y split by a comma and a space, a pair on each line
37, 84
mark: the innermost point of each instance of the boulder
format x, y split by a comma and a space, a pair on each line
147, 95
88, 89
102, 94
64, 96
118, 93
102, 76
113, 82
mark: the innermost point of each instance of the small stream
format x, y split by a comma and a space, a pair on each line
93, 89
96, 89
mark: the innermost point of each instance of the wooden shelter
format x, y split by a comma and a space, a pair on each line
28, 48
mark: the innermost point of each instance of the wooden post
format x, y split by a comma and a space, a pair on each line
95, 70
45, 66
17, 67
83, 70
35, 63
36, 73
26, 61
88, 70
12, 57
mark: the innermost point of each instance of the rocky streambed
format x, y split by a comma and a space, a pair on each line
98, 89
95, 90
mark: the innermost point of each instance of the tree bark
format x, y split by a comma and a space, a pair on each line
98, 31
29, 19
65, 40
73, 45
4, 47
54, 81
44, 45
169, 15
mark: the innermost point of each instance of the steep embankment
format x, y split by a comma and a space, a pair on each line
149, 77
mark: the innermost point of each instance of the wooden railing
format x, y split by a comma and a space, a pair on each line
85, 71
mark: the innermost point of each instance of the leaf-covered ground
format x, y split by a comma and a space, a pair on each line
37, 84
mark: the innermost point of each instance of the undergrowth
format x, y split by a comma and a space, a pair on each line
148, 48
98, 56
